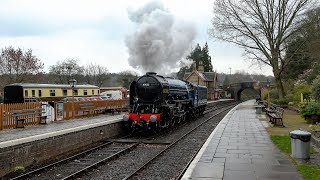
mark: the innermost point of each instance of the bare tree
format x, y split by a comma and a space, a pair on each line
126, 77
95, 74
261, 28
65, 70
17, 66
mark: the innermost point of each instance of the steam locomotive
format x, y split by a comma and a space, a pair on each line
158, 102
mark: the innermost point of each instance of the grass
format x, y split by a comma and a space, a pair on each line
280, 137
292, 121
283, 143
309, 172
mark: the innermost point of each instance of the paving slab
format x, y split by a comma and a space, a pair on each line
241, 143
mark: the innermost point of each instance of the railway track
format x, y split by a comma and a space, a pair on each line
74, 166
115, 155
147, 170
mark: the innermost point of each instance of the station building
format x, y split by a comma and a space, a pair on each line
208, 79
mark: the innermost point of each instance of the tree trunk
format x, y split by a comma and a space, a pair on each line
280, 88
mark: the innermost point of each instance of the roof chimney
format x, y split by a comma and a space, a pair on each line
200, 67
151, 73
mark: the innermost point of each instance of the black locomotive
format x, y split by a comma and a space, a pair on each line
159, 102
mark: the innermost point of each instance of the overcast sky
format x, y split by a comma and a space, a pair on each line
96, 31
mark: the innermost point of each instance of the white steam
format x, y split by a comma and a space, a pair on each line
160, 41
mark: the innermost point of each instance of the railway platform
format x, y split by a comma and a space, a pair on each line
11, 137
240, 148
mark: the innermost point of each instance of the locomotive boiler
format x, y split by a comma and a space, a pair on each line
159, 102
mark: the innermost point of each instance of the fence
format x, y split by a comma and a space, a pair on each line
107, 104
6, 119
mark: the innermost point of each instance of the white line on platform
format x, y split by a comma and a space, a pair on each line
56, 133
188, 173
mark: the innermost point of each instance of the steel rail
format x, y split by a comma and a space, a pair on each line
41, 169
99, 163
172, 144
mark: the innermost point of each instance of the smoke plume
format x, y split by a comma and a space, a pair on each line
160, 41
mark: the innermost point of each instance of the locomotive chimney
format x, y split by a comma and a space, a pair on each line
151, 73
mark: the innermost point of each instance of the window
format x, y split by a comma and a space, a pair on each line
33, 92
26, 93
76, 92
52, 92
92, 92
40, 93
85, 92
98, 92
65, 92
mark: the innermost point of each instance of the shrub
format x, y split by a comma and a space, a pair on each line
280, 102
316, 88
274, 94
311, 109
305, 89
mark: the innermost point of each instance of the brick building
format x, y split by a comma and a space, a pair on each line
208, 79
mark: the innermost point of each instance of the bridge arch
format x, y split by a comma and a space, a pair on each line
238, 88
255, 91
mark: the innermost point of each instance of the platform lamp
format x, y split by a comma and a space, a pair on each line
72, 83
268, 86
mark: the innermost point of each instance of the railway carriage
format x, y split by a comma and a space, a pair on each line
158, 102
27, 92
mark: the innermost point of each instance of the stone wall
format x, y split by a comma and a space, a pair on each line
37, 152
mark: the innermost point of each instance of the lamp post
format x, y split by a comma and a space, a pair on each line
72, 83
268, 86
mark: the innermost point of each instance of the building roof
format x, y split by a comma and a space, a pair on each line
205, 76
111, 88
209, 75
65, 86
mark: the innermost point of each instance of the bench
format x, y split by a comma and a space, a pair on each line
22, 115
275, 115
90, 108
87, 108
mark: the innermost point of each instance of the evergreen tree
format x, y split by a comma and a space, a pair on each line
302, 50
196, 55
206, 58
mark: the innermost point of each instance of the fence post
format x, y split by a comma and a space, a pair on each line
1, 116
66, 109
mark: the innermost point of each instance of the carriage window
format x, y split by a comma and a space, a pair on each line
52, 92
26, 93
98, 91
40, 93
65, 92
92, 92
76, 92
33, 92
85, 92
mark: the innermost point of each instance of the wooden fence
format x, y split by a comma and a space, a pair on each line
6, 119
106, 104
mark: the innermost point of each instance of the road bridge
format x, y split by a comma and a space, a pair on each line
256, 86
